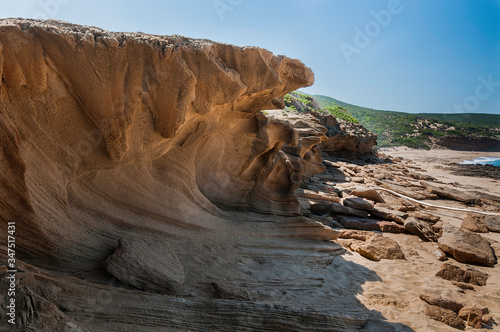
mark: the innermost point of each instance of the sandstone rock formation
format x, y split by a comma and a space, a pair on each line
108, 136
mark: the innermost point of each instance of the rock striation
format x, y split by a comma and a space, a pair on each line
158, 144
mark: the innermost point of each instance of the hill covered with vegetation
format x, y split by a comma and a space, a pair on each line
423, 130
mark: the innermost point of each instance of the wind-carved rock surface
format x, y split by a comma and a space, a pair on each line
153, 139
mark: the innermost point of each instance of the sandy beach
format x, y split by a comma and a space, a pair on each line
396, 294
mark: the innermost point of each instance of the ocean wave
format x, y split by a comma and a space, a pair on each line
482, 160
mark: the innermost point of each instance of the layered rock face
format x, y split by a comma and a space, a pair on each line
126, 160
95, 123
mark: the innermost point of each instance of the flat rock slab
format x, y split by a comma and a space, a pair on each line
389, 214
336, 208
466, 247
442, 302
370, 194
449, 193
147, 265
464, 275
358, 203
368, 224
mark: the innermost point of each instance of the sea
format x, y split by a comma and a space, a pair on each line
495, 161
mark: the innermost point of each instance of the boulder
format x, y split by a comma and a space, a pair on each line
442, 302
444, 315
466, 247
358, 203
147, 265
370, 194
465, 275
420, 229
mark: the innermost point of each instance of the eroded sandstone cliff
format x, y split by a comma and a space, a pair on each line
125, 159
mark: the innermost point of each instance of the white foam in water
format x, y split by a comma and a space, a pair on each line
482, 160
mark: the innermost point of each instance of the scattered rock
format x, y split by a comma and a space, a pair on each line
474, 223
481, 223
444, 315
492, 223
466, 247
368, 224
148, 265
370, 194
442, 302
371, 245
473, 316
488, 320
336, 209
358, 203
467, 275
438, 228
310, 194
389, 214
426, 216
358, 179
449, 193
420, 229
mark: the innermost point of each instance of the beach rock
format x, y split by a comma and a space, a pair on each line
465, 275
462, 285
473, 315
371, 245
370, 194
388, 214
358, 179
358, 203
368, 224
444, 315
320, 196
336, 209
319, 208
442, 302
481, 223
147, 265
474, 223
448, 192
466, 247
431, 218
492, 223
420, 229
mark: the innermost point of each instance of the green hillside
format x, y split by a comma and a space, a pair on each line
417, 130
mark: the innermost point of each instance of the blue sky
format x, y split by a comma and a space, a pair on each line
404, 55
